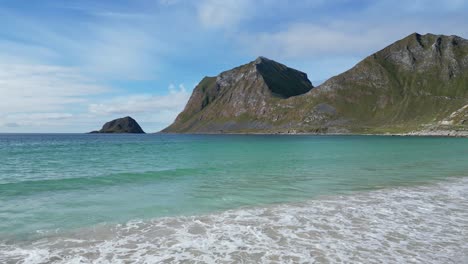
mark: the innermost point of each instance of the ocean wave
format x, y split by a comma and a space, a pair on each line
28, 187
425, 224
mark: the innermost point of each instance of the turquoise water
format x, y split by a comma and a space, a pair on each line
55, 182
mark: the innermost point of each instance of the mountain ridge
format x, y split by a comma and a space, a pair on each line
415, 83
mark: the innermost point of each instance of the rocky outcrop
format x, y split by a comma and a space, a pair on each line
121, 125
416, 82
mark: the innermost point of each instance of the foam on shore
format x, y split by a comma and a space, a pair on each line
426, 224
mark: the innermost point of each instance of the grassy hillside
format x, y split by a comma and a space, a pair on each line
416, 83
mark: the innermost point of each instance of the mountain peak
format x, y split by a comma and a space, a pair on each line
280, 80
243, 91
261, 59
427, 39
416, 52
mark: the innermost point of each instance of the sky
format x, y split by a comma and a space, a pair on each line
71, 66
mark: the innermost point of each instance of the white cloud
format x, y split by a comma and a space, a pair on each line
36, 87
338, 38
174, 102
33, 119
17, 52
299, 40
120, 53
153, 112
421, 6
109, 45
223, 14
40, 122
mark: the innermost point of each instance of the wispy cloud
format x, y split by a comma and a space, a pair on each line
120, 53
21, 119
109, 45
48, 69
223, 14
421, 6
309, 40
355, 34
153, 112
36, 87
174, 101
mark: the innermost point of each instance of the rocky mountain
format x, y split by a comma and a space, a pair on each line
417, 83
241, 98
121, 125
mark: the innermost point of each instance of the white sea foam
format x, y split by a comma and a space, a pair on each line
427, 224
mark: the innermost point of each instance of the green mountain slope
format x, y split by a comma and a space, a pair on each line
417, 83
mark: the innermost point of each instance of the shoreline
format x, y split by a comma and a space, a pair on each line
451, 133
288, 231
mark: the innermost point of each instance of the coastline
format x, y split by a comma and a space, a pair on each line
438, 133
375, 226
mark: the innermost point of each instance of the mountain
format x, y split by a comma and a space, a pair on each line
121, 125
241, 98
419, 83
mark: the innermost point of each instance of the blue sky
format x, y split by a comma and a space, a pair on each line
70, 66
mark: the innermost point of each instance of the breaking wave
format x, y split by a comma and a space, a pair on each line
425, 224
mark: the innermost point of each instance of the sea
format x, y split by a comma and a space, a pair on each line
160, 198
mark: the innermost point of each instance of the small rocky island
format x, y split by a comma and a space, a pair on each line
121, 125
